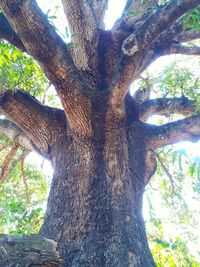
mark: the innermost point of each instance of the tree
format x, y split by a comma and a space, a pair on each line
101, 148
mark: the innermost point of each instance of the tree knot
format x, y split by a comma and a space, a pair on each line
130, 45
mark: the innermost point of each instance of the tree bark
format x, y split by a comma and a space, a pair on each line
28, 251
94, 209
102, 155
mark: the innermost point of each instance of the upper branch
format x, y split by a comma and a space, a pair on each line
7, 33
162, 19
100, 7
136, 46
134, 14
38, 122
83, 26
187, 129
167, 43
166, 106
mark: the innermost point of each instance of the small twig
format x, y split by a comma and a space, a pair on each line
166, 172
24, 154
45, 94
146, 80
22, 160
6, 164
42, 164
18, 159
4, 146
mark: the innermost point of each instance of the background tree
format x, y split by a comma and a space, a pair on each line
101, 148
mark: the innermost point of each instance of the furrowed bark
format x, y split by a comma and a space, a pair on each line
85, 39
7, 33
52, 53
14, 133
166, 106
38, 122
187, 129
94, 207
28, 251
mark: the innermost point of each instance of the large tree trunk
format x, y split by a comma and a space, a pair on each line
94, 209
102, 159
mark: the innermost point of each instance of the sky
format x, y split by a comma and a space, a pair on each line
115, 8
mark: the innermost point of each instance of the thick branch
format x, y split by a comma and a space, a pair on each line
28, 251
135, 12
166, 106
187, 36
160, 47
187, 129
14, 133
137, 45
100, 7
183, 49
83, 27
161, 20
44, 44
37, 121
7, 33
134, 15
40, 39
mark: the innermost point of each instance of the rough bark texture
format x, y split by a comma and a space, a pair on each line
28, 251
103, 155
97, 192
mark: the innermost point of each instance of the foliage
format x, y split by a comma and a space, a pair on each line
22, 203
179, 80
172, 225
192, 20
19, 71
172, 197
